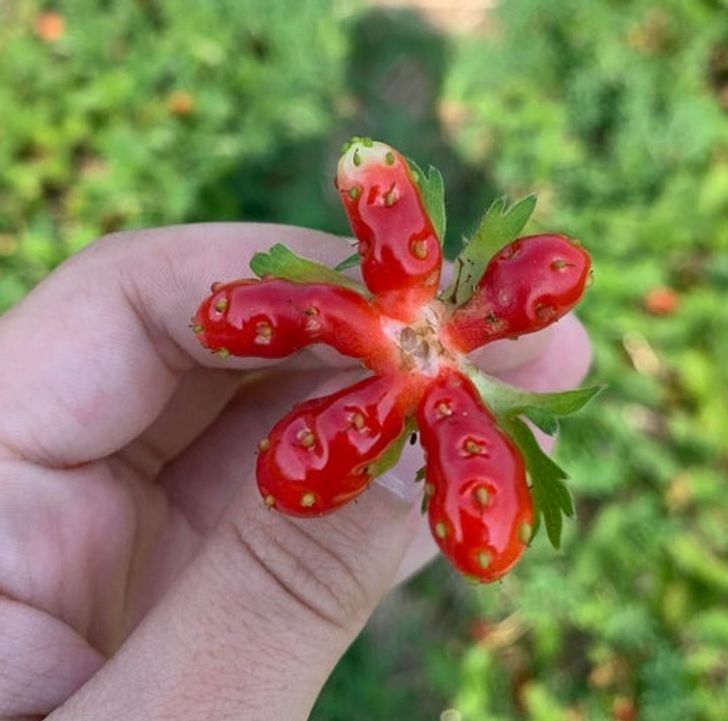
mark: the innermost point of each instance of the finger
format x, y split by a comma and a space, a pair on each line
95, 352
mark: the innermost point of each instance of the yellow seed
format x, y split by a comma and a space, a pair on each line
472, 447
263, 333
443, 409
429, 490
264, 329
311, 310
306, 438
419, 249
270, 501
264, 444
560, 264
221, 305
307, 500
525, 533
484, 559
545, 313
354, 192
358, 420
197, 328
440, 530
389, 158
390, 197
222, 353
357, 157
481, 495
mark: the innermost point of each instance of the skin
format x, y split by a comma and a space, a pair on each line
140, 574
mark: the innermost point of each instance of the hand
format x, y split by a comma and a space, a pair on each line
140, 574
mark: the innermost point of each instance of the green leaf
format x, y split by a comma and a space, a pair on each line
543, 419
541, 408
281, 262
351, 262
552, 499
391, 455
432, 191
500, 225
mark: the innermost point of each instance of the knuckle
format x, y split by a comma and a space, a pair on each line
316, 579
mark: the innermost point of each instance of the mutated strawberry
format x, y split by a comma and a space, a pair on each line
326, 451
478, 503
322, 454
273, 318
528, 285
400, 253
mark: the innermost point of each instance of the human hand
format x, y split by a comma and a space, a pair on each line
141, 576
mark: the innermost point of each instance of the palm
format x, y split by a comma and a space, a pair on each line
129, 523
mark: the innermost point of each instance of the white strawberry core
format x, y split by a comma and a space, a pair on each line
418, 343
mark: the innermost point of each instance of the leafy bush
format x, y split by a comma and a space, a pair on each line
119, 115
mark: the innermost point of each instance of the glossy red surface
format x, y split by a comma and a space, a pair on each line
399, 249
480, 508
274, 318
316, 458
527, 286
323, 454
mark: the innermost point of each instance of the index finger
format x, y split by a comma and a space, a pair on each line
91, 356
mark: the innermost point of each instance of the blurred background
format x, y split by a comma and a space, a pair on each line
125, 114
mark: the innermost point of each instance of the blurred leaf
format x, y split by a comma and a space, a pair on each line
281, 262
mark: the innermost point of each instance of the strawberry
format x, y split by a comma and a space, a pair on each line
274, 318
401, 258
528, 285
327, 450
336, 437
479, 507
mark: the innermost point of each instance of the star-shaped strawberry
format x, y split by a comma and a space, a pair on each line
415, 340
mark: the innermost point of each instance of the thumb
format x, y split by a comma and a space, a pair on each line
255, 624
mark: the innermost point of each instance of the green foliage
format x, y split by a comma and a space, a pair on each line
500, 225
279, 261
432, 190
552, 498
139, 107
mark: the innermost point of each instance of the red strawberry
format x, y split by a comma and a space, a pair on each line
325, 452
401, 258
662, 301
479, 506
274, 318
335, 438
528, 285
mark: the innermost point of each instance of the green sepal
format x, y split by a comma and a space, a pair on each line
390, 456
432, 192
500, 225
351, 262
543, 409
281, 262
551, 497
